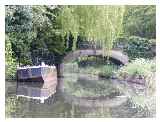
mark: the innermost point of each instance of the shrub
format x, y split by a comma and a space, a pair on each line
139, 47
136, 47
10, 61
142, 68
138, 66
107, 71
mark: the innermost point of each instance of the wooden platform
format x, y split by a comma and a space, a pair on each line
36, 82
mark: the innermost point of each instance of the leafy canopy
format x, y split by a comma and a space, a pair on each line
98, 23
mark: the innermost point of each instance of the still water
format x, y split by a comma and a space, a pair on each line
69, 103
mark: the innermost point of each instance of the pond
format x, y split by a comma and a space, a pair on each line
61, 105
80, 93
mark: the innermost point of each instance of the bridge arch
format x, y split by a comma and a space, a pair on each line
114, 54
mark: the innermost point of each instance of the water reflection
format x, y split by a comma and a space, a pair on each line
91, 91
64, 104
35, 90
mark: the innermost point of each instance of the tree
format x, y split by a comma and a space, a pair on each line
140, 21
19, 31
48, 35
33, 28
98, 23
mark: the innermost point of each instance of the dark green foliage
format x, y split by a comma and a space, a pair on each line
33, 29
79, 39
19, 31
140, 21
137, 47
51, 43
18, 19
21, 46
69, 42
48, 36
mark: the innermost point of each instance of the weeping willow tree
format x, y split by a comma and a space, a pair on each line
97, 23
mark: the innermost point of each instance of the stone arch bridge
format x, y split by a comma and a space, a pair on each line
114, 54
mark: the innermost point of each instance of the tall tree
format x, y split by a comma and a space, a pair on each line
19, 30
98, 23
140, 21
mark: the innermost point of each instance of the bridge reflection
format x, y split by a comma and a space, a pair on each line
95, 101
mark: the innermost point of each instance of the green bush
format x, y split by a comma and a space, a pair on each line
139, 47
136, 47
10, 61
107, 71
142, 68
